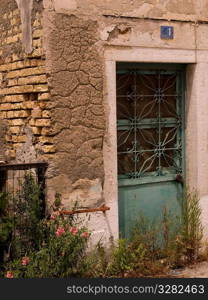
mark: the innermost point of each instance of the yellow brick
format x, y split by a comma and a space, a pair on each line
36, 53
15, 57
32, 79
12, 82
14, 98
21, 64
17, 106
5, 106
46, 140
17, 122
37, 43
18, 138
12, 39
11, 153
19, 35
15, 114
16, 29
37, 62
8, 138
14, 21
4, 67
17, 90
8, 59
16, 12
40, 88
36, 23
42, 104
37, 33
42, 122
49, 149
17, 145
32, 122
21, 114
44, 96
11, 106
10, 114
36, 113
3, 114
45, 131
24, 89
46, 114
26, 72
36, 130
29, 104
15, 129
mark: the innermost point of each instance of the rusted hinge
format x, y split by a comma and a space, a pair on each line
103, 208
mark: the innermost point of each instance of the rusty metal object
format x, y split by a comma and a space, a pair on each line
103, 208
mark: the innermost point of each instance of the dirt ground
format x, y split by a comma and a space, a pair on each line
199, 270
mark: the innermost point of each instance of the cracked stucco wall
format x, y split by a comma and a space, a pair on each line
78, 121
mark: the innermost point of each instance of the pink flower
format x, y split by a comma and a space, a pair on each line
85, 235
60, 231
73, 230
52, 217
25, 261
9, 274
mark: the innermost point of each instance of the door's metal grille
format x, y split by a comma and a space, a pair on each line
149, 114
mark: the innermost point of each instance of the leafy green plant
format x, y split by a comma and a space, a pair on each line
6, 225
191, 234
146, 233
58, 245
27, 215
62, 254
121, 260
97, 261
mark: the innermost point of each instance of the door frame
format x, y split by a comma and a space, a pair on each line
112, 56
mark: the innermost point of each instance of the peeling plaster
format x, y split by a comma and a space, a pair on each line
25, 7
65, 4
60, 5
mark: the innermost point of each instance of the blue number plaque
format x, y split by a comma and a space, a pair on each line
167, 32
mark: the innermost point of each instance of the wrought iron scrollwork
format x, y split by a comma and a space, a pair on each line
149, 124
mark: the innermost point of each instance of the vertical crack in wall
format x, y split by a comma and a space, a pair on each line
25, 7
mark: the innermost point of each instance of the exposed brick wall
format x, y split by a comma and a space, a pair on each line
24, 90
56, 116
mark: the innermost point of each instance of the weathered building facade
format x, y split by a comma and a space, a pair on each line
113, 95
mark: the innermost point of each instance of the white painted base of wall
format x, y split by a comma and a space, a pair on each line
100, 226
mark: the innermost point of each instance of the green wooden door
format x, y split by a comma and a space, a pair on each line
150, 140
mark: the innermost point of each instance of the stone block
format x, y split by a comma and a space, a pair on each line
42, 122
49, 149
46, 114
26, 72
15, 129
